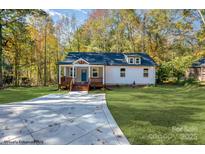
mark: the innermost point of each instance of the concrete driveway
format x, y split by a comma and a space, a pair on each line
74, 118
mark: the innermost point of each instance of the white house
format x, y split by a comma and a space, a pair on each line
82, 70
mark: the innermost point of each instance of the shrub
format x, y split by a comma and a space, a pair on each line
175, 69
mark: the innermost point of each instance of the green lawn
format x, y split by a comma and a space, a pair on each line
161, 114
149, 115
24, 93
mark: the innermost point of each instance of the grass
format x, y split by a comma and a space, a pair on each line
148, 115
159, 115
16, 94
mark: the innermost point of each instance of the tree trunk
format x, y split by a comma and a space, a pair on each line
78, 40
202, 17
49, 69
143, 33
1, 57
16, 68
45, 59
38, 75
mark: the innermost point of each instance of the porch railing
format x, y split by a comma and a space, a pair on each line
71, 84
65, 82
96, 82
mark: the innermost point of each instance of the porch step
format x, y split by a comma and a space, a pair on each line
78, 92
80, 87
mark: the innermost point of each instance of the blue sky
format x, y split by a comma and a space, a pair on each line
80, 14
83, 14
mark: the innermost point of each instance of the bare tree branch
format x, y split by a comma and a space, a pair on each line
202, 17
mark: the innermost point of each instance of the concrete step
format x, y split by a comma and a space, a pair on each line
78, 92
80, 88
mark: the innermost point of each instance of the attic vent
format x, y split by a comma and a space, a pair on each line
81, 62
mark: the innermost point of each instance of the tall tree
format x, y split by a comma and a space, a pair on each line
8, 18
1, 55
45, 51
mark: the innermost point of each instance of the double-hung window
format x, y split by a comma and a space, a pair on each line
131, 60
95, 72
146, 72
71, 72
137, 60
122, 72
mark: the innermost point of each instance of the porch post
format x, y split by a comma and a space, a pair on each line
73, 72
64, 70
103, 75
59, 74
89, 72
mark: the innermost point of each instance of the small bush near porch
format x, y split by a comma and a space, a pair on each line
161, 114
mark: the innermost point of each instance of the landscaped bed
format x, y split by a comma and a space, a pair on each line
161, 114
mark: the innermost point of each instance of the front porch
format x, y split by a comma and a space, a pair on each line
80, 77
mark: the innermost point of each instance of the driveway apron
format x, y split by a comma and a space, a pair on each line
76, 118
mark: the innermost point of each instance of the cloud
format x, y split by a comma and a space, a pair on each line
58, 14
82, 11
54, 13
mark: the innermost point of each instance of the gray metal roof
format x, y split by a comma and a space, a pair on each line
199, 63
107, 58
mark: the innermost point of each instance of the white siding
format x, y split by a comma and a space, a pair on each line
133, 73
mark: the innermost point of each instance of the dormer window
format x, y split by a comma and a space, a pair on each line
137, 60
134, 60
131, 60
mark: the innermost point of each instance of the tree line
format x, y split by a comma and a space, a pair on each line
31, 43
173, 38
